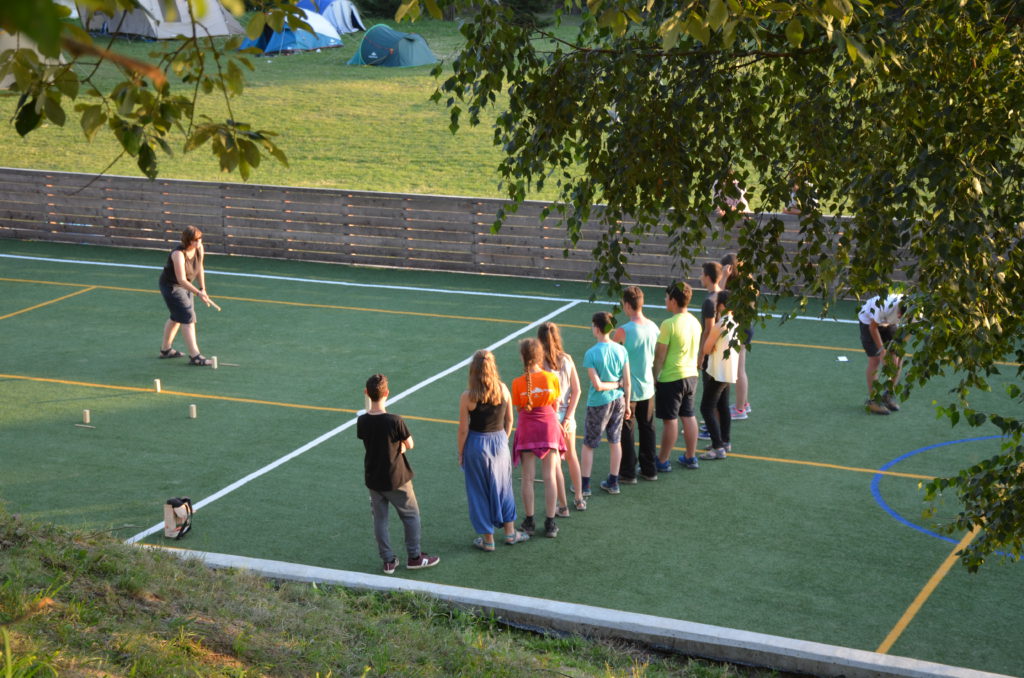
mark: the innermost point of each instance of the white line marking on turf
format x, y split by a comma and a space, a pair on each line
375, 286
317, 281
348, 424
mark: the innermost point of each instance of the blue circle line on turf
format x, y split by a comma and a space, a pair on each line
877, 478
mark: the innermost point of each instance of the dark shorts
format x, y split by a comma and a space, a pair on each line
179, 303
605, 419
674, 399
886, 332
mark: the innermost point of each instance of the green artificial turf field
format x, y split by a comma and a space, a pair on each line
797, 534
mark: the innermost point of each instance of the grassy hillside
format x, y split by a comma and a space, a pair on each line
84, 604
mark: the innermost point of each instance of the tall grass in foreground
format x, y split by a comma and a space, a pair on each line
84, 604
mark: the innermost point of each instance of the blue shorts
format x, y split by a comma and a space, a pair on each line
179, 303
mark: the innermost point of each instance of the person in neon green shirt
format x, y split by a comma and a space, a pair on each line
675, 367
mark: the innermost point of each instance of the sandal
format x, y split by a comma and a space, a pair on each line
479, 543
562, 512
581, 504
171, 353
516, 537
199, 360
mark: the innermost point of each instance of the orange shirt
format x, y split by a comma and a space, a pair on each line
546, 390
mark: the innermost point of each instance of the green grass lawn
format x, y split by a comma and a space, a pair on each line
783, 538
355, 127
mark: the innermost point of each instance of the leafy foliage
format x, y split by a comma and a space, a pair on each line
143, 111
905, 116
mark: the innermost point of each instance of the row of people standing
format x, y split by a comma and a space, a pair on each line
623, 397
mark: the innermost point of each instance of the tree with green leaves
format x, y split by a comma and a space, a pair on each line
143, 111
904, 115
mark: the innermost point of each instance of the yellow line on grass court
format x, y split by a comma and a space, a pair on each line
451, 422
234, 399
381, 310
835, 466
88, 288
274, 301
927, 591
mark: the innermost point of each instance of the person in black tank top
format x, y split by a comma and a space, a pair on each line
184, 265
485, 423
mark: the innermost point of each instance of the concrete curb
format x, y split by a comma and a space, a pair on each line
688, 638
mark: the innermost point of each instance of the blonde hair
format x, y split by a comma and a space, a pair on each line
532, 353
484, 381
551, 341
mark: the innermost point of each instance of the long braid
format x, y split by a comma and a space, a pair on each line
529, 389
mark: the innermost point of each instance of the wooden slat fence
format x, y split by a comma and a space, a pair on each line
429, 232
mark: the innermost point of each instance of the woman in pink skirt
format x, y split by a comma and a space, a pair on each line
539, 435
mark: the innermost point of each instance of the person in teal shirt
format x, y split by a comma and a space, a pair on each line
607, 367
675, 366
639, 336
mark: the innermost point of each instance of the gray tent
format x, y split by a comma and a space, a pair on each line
150, 21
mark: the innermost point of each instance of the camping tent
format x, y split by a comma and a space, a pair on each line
342, 14
17, 41
150, 21
384, 46
288, 40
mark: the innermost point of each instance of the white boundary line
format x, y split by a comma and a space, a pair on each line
342, 283
348, 424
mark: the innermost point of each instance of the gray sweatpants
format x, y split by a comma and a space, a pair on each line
404, 501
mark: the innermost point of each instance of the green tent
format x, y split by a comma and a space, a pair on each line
384, 46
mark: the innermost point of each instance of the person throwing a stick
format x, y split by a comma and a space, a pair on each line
184, 265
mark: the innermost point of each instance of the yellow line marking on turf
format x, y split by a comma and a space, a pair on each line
927, 591
835, 466
413, 313
253, 401
47, 303
789, 345
286, 303
324, 408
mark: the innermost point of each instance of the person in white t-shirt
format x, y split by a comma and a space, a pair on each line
879, 318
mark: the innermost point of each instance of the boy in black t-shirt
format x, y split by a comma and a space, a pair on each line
389, 477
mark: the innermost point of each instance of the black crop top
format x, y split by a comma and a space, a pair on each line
169, 278
487, 418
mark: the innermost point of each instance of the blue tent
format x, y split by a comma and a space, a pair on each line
384, 46
287, 40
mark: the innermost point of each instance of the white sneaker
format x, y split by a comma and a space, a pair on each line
736, 413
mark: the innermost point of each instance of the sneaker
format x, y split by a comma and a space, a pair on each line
550, 528
390, 566
703, 433
423, 560
737, 413
665, 467
691, 464
585, 492
528, 526
714, 454
746, 408
649, 477
623, 480
609, 488
890, 402
875, 407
